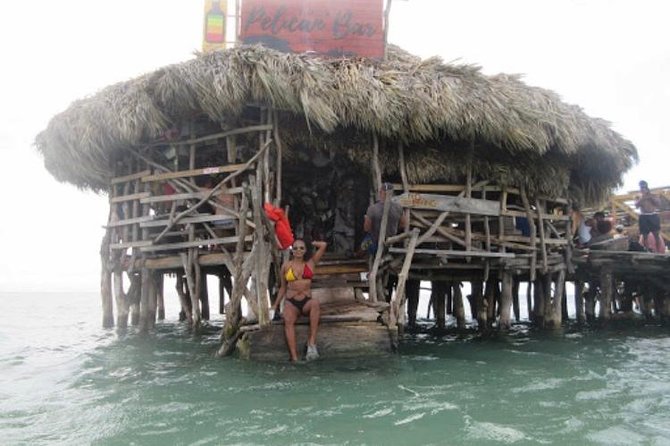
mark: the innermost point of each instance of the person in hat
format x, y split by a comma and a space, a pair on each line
650, 221
373, 218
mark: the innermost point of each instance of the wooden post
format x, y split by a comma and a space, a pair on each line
533, 236
547, 315
606, 294
506, 301
160, 296
261, 269
145, 296
437, 296
459, 310
529, 300
468, 218
121, 299
280, 150
515, 299
134, 293
204, 297
376, 170
590, 304
477, 287
490, 295
579, 301
399, 303
538, 300
372, 277
106, 281
543, 242
412, 289
558, 299
405, 182
184, 300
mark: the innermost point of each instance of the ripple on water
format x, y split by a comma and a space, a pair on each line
617, 435
483, 430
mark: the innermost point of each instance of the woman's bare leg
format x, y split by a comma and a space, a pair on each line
290, 316
313, 309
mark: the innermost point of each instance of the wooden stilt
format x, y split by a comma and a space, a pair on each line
121, 300
134, 295
412, 289
459, 310
579, 302
477, 287
437, 296
204, 297
557, 317
184, 300
490, 295
374, 293
506, 301
515, 299
538, 301
606, 294
529, 300
160, 296
590, 304
106, 282
399, 301
145, 296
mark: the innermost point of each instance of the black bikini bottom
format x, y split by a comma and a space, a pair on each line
299, 304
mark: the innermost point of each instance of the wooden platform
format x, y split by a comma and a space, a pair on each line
348, 329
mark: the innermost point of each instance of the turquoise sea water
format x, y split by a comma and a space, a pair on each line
64, 380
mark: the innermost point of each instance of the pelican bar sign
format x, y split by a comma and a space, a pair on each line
330, 27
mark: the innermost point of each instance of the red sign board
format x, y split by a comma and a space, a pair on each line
330, 27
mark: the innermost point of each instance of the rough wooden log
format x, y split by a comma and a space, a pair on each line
533, 239
184, 300
160, 296
374, 293
606, 294
437, 296
397, 311
106, 281
459, 310
505, 322
543, 240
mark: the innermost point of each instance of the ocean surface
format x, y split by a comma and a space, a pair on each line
64, 380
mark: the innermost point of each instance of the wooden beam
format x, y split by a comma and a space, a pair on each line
122, 198
193, 172
128, 221
448, 252
447, 203
131, 177
194, 244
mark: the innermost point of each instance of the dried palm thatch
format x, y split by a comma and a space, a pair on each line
521, 134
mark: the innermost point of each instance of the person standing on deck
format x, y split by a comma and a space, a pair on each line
296, 287
373, 218
650, 221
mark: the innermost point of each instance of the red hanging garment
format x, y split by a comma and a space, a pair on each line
282, 225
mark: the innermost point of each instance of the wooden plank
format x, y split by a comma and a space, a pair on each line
195, 243
128, 221
131, 177
137, 196
127, 245
446, 203
448, 252
510, 213
193, 172
204, 218
322, 270
185, 196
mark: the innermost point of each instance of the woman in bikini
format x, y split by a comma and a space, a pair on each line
296, 287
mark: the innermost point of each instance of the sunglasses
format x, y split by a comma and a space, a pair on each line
298, 248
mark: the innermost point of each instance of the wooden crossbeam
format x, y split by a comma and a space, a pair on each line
452, 253
194, 244
131, 177
193, 172
199, 219
123, 198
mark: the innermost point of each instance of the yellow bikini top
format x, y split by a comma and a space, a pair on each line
290, 275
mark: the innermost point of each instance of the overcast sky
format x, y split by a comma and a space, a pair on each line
612, 57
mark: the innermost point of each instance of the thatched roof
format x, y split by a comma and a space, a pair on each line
521, 133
